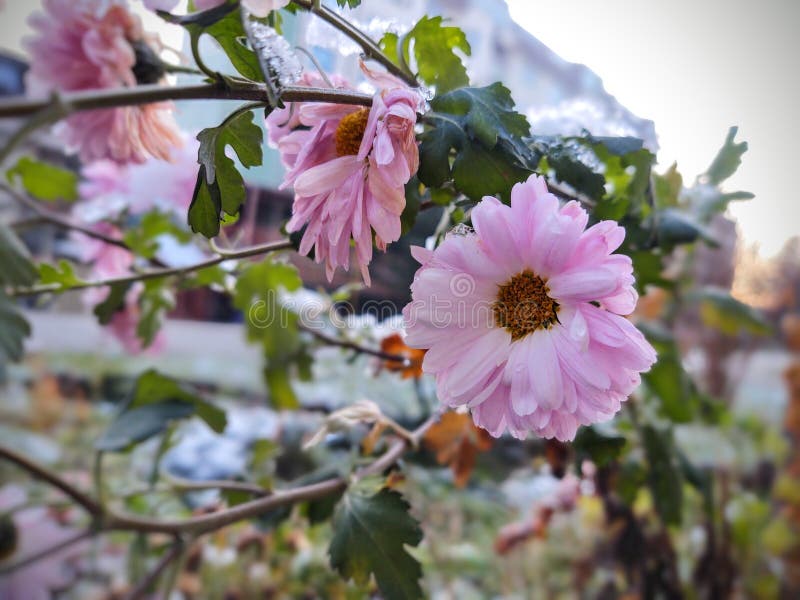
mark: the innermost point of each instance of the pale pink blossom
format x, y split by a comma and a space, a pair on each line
348, 170
521, 317
36, 530
100, 44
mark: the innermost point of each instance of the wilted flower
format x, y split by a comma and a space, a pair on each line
349, 172
99, 44
521, 317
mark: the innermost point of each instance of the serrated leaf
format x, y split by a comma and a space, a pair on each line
434, 45
18, 269
45, 181
61, 274
14, 328
370, 531
481, 128
348, 3
725, 313
727, 160
664, 475
204, 211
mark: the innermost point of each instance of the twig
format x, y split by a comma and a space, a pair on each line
370, 48
45, 474
157, 273
332, 341
49, 551
145, 94
145, 584
59, 220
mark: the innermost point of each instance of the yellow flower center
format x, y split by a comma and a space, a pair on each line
523, 305
350, 132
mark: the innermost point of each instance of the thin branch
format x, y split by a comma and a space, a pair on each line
368, 45
60, 220
45, 474
145, 94
152, 577
49, 551
332, 341
157, 273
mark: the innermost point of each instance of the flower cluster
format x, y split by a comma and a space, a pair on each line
521, 317
348, 166
100, 44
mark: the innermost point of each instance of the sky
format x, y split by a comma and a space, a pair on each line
696, 67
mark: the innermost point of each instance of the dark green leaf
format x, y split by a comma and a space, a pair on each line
669, 382
727, 160
140, 424
413, 201
664, 476
349, 3
370, 531
206, 206
14, 329
668, 187
229, 33
115, 301
599, 445
675, 227
17, 270
45, 181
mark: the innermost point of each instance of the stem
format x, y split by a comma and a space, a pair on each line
331, 341
370, 48
59, 220
158, 273
45, 474
194, 41
152, 577
144, 94
49, 551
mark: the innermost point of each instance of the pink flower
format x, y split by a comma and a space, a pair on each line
521, 317
348, 171
99, 44
37, 531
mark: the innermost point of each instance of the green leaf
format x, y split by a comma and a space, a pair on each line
667, 188
62, 274
142, 237
370, 531
154, 301
114, 302
228, 31
206, 206
271, 324
222, 178
14, 328
348, 3
675, 227
413, 201
727, 160
723, 312
669, 382
664, 475
599, 444
45, 181
18, 269
154, 402
434, 46
482, 129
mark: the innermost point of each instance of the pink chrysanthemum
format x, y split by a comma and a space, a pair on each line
99, 44
521, 318
348, 171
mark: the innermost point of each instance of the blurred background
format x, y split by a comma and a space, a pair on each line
677, 75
